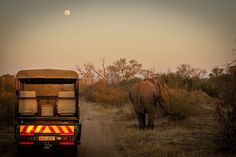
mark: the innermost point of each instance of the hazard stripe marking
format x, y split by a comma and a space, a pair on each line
60, 129
38, 129
42, 129
47, 130
69, 130
64, 129
51, 129
21, 128
25, 128
56, 129
32, 129
72, 128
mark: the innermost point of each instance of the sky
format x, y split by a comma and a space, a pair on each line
160, 34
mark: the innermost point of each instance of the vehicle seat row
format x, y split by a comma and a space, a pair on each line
28, 104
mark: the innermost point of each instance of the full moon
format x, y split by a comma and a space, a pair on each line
67, 12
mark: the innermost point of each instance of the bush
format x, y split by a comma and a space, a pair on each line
180, 103
82, 87
211, 86
226, 138
7, 99
210, 89
7, 108
226, 112
102, 92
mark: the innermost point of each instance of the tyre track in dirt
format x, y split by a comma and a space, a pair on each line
97, 139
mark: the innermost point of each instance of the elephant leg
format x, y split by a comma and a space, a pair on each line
139, 116
143, 119
151, 120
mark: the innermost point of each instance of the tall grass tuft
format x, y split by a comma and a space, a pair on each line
102, 92
180, 103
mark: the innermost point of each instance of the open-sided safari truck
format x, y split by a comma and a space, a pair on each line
47, 109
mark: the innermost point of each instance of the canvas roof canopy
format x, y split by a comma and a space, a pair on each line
47, 74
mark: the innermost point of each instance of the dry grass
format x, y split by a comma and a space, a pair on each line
187, 138
7, 147
180, 103
7, 108
192, 137
104, 93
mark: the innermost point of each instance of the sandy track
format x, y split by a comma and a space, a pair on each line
97, 137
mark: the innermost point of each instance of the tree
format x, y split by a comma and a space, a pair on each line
102, 74
147, 73
185, 71
199, 73
122, 70
216, 72
87, 73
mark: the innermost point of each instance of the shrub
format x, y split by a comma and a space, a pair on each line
226, 138
7, 106
226, 112
180, 103
210, 89
7, 99
82, 87
102, 92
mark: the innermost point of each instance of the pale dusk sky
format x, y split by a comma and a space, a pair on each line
160, 34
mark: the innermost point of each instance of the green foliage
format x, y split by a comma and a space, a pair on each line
102, 92
7, 99
180, 104
109, 94
210, 89
226, 111
192, 79
122, 70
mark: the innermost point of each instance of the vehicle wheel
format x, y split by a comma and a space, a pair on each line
22, 151
74, 148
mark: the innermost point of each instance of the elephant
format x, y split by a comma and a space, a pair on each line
145, 95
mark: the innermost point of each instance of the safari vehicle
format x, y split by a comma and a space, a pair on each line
47, 109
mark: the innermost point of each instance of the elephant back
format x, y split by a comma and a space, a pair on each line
157, 86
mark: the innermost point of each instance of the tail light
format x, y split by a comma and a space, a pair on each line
67, 138
26, 143
67, 143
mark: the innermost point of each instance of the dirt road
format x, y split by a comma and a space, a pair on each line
97, 138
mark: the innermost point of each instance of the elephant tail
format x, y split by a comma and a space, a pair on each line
130, 97
135, 100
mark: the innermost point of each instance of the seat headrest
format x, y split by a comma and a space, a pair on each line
66, 94
27, 94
